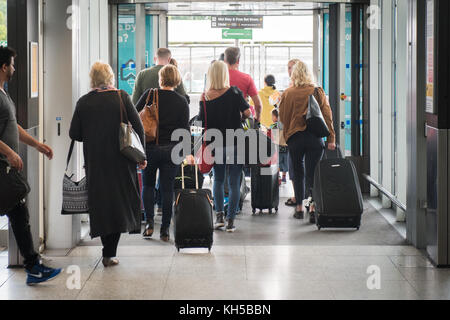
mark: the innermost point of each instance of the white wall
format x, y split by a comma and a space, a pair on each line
68, 55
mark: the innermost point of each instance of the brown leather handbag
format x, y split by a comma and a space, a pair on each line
150, 117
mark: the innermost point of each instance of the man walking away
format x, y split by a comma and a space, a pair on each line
242, 80
148, 78
10, 134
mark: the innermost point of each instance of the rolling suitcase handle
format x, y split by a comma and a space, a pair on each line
182, 175
196, 182
338, 150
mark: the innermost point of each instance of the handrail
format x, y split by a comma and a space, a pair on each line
385, 192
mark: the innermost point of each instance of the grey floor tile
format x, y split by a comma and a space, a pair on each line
358, 290
352, 273
289, 290
209, 267
143, 289
282, 273
15, 288
134, 269
182, 288
432, 290
411, 261
425, 274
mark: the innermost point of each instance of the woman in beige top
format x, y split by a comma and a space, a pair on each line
305, 149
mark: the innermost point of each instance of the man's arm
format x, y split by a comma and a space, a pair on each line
13, 158
29, 140
258, 106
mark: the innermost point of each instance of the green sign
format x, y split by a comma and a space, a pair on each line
237, 34
3, 43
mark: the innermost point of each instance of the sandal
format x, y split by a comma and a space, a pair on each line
290, 203
298, 215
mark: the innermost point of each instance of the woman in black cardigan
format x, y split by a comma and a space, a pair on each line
114, 199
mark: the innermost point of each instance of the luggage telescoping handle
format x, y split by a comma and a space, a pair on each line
182, 175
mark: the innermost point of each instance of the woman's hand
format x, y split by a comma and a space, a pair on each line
142, 165
332, 146
190, 160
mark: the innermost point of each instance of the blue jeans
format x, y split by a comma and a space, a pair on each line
159, 157
234, 187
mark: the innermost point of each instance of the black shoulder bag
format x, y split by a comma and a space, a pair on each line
13, 186
315, 123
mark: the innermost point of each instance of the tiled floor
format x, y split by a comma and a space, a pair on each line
269, 257
238, 272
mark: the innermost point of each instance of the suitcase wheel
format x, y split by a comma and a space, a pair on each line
319, 227
276, 209
254, 211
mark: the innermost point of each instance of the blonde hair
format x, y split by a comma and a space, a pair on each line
101, 74
294, 61
170, 76
301, 75
218, 76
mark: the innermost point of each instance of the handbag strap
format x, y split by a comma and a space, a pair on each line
123, 111
156, 104
204, 111
72, 144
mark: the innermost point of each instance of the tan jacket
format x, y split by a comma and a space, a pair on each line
294, 107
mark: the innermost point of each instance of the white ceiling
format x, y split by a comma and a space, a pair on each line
237, 7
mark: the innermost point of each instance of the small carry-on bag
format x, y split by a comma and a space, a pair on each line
265, 188
337, 195
194, 226
13, 187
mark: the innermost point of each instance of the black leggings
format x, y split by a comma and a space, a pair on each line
110, 243
305, 150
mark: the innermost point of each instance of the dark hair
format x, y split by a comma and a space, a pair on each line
275, 112
232, 55
6, 53
270, 81
222, 57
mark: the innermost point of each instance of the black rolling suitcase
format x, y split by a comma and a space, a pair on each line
194, 224
265, 189
337, 194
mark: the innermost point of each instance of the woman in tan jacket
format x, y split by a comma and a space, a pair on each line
305, 149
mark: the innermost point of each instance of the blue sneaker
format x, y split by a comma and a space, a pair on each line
40, 273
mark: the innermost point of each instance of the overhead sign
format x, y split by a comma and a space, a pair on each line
237, 34
237, 22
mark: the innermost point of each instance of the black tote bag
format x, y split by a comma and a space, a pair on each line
315, 123
75, 193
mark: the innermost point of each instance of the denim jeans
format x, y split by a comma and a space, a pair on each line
234, 186
19, 218
159, 157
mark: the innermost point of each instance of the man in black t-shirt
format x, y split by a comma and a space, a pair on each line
10, 134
